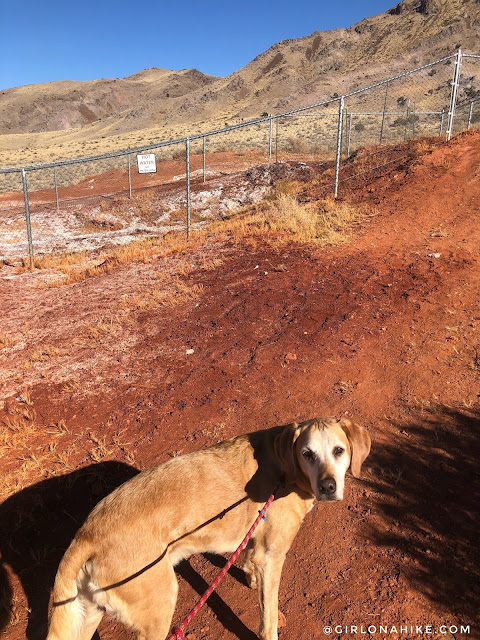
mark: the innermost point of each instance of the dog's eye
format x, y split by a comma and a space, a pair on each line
308, 454
337, 452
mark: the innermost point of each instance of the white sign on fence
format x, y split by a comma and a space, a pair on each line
146, 163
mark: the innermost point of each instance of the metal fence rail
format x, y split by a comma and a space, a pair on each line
436, 99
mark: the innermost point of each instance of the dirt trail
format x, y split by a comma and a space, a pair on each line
384, 329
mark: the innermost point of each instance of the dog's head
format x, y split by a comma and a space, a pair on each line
316, 454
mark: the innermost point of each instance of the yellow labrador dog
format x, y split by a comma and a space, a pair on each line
122, 559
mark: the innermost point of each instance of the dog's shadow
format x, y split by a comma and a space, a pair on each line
36, 526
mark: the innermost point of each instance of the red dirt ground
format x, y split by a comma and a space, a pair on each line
383, 329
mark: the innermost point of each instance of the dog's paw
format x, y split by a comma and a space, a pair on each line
282, 621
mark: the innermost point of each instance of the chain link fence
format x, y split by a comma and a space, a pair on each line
85, 203
467, 107
413, 104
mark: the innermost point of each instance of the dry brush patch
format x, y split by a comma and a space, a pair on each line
282, 218
54, 261
41, 355
25, 454
165, 294
32, 451
69, 268
279, 218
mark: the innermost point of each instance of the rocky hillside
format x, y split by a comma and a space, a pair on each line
66, 104
411, 33
291, 73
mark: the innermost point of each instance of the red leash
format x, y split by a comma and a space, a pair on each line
178, 632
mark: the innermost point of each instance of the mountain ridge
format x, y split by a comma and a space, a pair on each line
292, 73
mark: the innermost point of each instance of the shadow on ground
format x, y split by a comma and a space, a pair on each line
36, 526
220, 608
428, 499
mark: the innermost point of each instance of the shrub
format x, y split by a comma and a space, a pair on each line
295, 144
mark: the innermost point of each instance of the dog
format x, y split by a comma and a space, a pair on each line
122, 559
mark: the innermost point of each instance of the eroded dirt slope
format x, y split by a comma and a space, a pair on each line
383, 329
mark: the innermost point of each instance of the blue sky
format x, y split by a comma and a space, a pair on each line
47, 40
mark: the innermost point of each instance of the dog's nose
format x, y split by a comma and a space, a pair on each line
327, 486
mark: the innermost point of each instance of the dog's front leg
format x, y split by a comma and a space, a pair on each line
249, 567
268, 570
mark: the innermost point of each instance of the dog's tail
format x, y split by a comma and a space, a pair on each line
70, 608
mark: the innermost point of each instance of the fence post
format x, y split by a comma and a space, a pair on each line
470, 115
453, 95
270, 139
27, 216
406, 120
441, 121
204, 159
187, 173
276, 140
129, 176
344, 128
56, 186
383, 114
349, 139
339, 144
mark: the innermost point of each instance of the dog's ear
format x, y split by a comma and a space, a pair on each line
359, 444
284, 447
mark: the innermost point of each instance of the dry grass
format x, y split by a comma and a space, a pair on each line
209, 264
26, 396
41, 355
22, 410
107, 326
55, 261
7, 341
283, 219
168, 295
27, 457
91, 225
71, 385
59, 428
100, 450
75, 267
